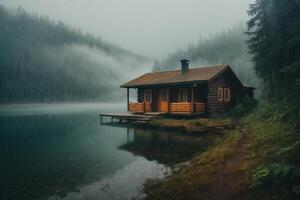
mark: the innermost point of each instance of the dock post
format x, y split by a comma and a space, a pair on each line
193, 100
127, 135
100, 119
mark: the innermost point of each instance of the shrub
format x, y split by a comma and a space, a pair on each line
245, 106
276, 174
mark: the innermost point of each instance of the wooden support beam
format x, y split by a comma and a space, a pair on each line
169, 99
193, 100
127, 135
127, 99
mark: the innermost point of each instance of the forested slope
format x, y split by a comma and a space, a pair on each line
228, 47
45, 61
274, 30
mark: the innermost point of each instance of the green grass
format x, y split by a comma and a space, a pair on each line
185, 125
269, 168
276, 147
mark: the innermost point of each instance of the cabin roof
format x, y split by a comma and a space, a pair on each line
176, 77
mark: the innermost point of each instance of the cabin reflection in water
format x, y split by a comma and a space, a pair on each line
167, 148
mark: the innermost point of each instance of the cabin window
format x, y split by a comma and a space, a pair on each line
148, 96
226, 94
164, 96
220, 94
182, 95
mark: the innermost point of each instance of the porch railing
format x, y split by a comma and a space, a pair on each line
185, 107
136, 107
182, 107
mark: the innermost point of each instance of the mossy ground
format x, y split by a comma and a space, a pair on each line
220, 172
194, 125
226, 170
276, 147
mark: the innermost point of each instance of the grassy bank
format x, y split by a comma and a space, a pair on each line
276, 147
257, 160
192, 126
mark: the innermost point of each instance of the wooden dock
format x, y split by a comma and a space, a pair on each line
127, 116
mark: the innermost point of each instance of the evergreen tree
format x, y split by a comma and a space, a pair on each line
274, 30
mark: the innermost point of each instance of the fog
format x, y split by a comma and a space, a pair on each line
56, 51
153, 28
112, 70
45, 61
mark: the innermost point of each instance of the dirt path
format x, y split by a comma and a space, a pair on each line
220, 173
233, 179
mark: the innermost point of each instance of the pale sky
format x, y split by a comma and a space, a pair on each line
153, 28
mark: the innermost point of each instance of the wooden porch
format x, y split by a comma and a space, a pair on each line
130, 117
187, 100
182, 107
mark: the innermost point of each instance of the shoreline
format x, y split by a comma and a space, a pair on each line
184, 126
212, 172
257, 158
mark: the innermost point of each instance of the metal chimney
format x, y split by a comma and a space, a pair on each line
184, 65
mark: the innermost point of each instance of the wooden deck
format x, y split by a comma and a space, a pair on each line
127, 116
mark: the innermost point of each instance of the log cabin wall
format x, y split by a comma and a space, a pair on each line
200, 92
226, 80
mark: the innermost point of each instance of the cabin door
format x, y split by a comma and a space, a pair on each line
163, 98
154, 100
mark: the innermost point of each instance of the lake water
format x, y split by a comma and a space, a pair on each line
61, 151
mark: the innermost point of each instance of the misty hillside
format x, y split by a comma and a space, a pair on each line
41, 60
228, 47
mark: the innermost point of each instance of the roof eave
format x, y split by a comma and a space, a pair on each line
163, 84
219, 73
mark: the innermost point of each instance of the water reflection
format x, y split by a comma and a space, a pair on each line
66, 154
49, 154
124, 184
167, 148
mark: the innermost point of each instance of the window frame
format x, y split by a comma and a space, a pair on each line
228, 96
220, 94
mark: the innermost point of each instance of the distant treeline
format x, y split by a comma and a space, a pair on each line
274, 30
228, 47
42, 60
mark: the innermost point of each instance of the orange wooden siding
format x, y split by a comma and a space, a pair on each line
136, 107
182, 107
199, 107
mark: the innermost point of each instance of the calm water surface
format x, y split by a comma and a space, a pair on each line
60, 151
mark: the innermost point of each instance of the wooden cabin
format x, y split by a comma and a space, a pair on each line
202, 90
